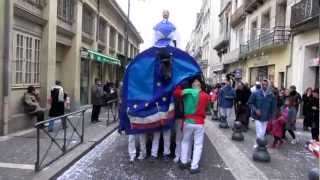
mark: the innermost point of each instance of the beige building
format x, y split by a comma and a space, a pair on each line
305, 58
205, 32
73, 41
255, 40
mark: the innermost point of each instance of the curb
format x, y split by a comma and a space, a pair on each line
240, 165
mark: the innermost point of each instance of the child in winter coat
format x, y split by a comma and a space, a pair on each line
278, 125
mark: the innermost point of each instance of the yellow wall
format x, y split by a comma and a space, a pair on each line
280, 57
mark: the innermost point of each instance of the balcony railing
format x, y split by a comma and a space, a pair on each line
304, 11
37, 3
252, 5
238, 16
278, 36
222, 41
231, 56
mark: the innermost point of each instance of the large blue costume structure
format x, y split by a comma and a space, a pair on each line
149, 81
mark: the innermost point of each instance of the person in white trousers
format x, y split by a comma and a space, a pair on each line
179, 136
195, 103
132, 147
166, 145
263, 106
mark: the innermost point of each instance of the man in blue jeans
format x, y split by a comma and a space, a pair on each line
227, 96
263, 106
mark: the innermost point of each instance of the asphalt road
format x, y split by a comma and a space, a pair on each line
109, 160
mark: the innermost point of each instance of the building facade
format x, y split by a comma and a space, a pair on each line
203, 36
73, 41
260, 37
263, 39
305, 59
222, 42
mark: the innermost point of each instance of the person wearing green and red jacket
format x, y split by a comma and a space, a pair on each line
195, 102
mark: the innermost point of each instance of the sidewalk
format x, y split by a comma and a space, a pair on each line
18, 151
290, 161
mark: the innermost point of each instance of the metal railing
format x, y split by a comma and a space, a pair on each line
278, 36
60, 142
67, 134
112, 111
37, 3
304, 11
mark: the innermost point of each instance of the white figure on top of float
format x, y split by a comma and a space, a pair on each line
165, 32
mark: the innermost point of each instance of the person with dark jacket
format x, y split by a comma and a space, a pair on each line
31, 104
290, 119
58, 98
263, 105
307, 108
242, 110
227, 96
315, 114
97, 95
296, 97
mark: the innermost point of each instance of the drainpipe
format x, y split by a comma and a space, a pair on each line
6, 65
290, 63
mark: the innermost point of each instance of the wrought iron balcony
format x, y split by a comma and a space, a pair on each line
277, 37
230, 57
238, 16
252, 5
37, 3
304, 12
222, 42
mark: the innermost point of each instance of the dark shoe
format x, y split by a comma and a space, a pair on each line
183, 166
152, 159
98, 120
166, 158
194, 171
94, 122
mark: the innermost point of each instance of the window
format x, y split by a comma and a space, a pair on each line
265, 23
253, 33
112, 41
120, 44
65, 10
87, 21
132, 51
102, 30
26, 62
240, 36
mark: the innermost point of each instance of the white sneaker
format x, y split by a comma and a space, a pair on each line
131, 159
255, 146
294, 141
176, 159
141, 156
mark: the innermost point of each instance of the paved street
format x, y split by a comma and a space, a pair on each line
289, 162
109, 160
18, 151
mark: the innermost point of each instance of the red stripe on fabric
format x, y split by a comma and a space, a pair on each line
156, 124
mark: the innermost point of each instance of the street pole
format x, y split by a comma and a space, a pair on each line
127, 35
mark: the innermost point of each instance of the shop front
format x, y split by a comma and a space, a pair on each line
261, 73
92, 67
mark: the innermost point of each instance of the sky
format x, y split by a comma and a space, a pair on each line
145, 14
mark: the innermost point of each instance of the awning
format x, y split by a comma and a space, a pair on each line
93, 55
